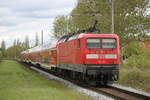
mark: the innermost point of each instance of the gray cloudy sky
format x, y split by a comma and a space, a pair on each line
19, 18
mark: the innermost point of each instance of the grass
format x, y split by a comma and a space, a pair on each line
17, 83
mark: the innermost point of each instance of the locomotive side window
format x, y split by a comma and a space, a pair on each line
93, 43
108, 43
78, 43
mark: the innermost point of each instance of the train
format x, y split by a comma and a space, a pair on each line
86, 57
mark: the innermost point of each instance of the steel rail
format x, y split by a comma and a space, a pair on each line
121, 93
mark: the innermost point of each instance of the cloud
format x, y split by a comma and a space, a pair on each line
52, 13
19, 9
35, 5
22, 10
19, 18
4, 12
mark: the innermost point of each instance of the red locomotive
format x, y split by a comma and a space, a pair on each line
87, 57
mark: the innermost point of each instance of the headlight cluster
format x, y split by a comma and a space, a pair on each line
99, 56
111, 56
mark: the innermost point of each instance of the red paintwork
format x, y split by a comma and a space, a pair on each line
69, 53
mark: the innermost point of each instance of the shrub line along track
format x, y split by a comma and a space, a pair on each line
114, 91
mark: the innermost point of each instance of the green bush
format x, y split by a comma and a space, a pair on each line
135, 72
134, 77
142, 60
132, 49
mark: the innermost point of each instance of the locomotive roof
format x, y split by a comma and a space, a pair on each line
93, 35
52, 45
76, 36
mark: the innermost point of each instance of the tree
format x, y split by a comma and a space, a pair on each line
15, 42
132, 49
63, 25
3, 48
27, 45
36, 40
3, 45
1, 55
87, 11
60, 26
131, 20
15, 50
18, 42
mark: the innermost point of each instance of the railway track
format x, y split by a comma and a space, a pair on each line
113, 91
121, 93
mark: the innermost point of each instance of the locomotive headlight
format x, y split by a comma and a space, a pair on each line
92, 56
111, 56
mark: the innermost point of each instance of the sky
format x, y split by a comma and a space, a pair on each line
21, 18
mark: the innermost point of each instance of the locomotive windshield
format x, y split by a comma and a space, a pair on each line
97, 43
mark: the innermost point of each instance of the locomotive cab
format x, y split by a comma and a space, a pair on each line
102, 57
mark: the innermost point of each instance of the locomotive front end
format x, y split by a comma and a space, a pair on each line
102, 58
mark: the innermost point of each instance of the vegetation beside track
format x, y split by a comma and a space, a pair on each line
17, 83
135, 72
